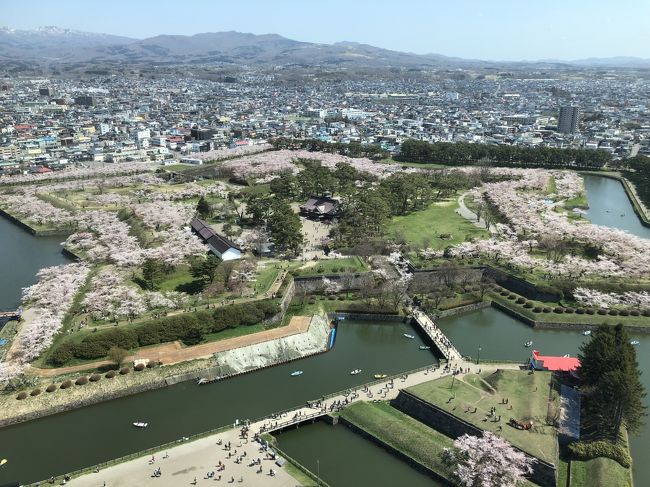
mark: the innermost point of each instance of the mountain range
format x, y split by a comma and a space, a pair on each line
57, 45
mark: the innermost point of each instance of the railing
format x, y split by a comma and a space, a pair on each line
139, 454
272, 416
297, 420
375, 382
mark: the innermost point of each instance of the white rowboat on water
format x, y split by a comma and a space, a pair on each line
140, 424
296, 373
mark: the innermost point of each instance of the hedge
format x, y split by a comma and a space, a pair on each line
189, 328
35, 392
66, 384
586, 450
51, 388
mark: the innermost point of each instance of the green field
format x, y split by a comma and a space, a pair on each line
422, 229
266, 277
333, 266
527, 394
405, 434
599, 472
568, 318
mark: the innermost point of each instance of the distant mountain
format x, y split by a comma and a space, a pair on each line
54, 44
614, 62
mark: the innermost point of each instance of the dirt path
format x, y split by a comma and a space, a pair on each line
172, 353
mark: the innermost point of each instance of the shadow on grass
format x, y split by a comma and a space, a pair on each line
192, 287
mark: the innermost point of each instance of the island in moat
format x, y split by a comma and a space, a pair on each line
261, 256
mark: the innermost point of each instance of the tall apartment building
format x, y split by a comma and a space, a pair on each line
568, 121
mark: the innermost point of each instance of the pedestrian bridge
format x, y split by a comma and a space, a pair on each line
10, 315
442, 343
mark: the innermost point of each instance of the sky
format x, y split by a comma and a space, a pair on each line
477, 29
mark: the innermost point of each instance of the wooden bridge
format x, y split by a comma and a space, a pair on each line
437, 336
11, 315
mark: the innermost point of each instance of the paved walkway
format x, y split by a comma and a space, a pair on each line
194, 459
172, 353
470, 215
437, 336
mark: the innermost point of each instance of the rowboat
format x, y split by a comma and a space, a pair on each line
296, 373
409, 336
380, 376
634, 342
355, 372
529, 343
586, 333
424, 347
3, 462
204, 380
140, 424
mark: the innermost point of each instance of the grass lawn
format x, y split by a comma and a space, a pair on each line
569, 318
579, 201
551, 187
527, 394
265, 277
332, 266
409, 436
599, 472
233, 332
422, 229
181, 280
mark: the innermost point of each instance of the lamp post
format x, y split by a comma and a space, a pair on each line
478, 356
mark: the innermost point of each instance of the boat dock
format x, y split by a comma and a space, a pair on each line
442, 343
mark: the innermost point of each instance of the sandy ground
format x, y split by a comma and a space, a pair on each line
193, 460
172, 353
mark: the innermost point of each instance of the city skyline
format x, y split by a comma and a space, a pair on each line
503, 31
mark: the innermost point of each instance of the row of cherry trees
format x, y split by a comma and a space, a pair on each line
48, 301
533, 222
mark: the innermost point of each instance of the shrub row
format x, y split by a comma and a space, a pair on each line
189, 328
586, 450
83, 380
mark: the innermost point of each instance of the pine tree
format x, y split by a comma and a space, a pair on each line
610, 374
203, 207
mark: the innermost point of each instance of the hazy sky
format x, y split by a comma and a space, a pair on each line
482, 29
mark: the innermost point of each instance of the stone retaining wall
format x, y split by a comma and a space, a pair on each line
544, 473
84, 402
402, 456
462, 309
27, 228
315, 284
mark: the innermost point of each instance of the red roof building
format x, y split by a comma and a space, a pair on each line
554, 364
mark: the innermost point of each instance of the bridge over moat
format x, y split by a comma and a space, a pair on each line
442, 343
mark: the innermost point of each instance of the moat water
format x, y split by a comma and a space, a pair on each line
84, 437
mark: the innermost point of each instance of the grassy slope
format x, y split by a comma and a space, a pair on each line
440, 218
599, 472
423, 444
527, 394
327, 265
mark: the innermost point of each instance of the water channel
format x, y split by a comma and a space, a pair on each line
610, 206
345, 459
83, 437
21, 257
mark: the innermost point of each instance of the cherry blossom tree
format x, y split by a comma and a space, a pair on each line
49, 300
487, 461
